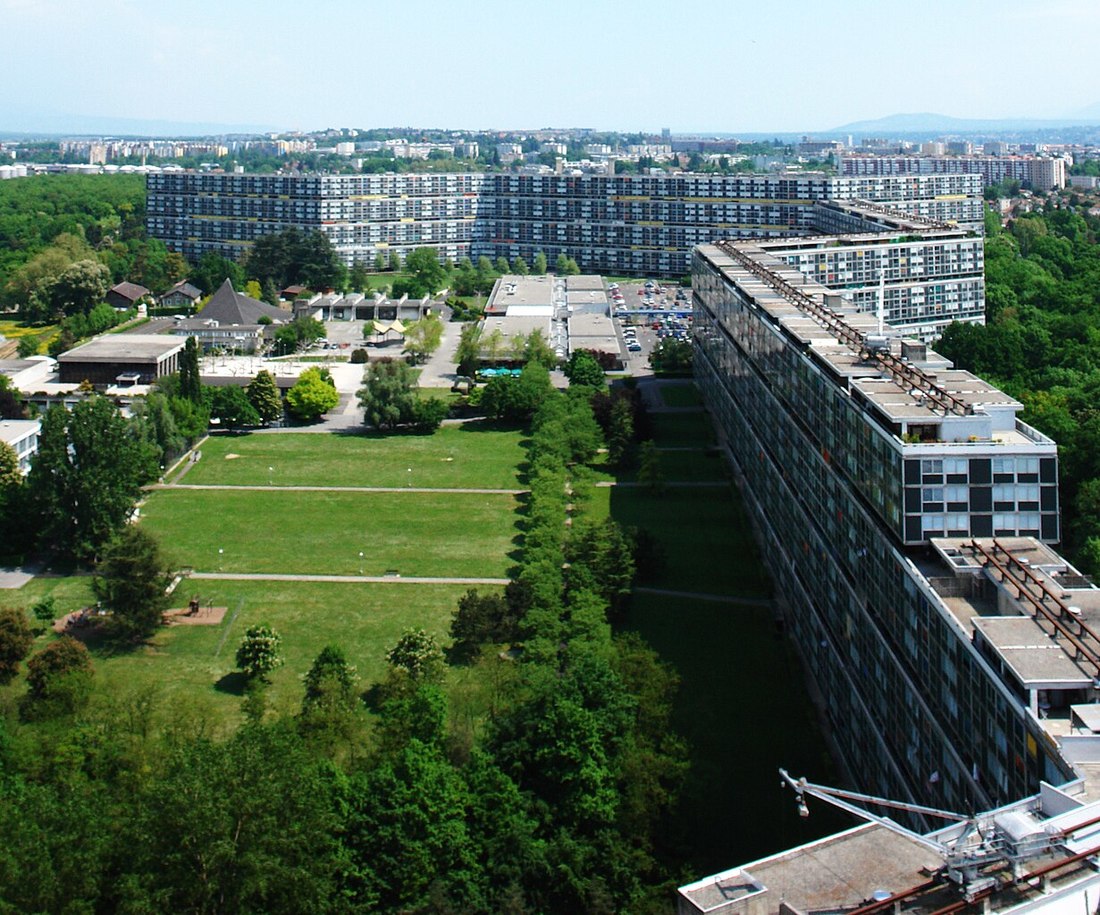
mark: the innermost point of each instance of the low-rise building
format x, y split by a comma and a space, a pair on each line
21, 435
182, 296
121, 358
126, 295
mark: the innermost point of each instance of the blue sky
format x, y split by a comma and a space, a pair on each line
727, 66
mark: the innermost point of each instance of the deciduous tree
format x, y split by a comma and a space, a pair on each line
258, 654
16, 640
312, 396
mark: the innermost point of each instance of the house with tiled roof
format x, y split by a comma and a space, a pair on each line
125, 295
183, 296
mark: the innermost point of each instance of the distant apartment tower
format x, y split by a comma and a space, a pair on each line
1040, 173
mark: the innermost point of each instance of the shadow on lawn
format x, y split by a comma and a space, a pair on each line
234, 683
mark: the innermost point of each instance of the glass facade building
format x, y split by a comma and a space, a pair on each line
857, 450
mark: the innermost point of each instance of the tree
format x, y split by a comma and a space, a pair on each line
59, 677
44, 612
481, 618
540, 265
190, 382
232, 408
428, 413
253, 290
80, 287
417, 654
258, 654
329, 704
156, 424
16, 640
537, 349
468, 351
387, 395
312, 396
264, 396
11, 401
395, 261
620, 433
502, 264
583, 370
515, 399
12, 499
426, 273
29, 346
519, 266
379, 262
671, 356
132, 582
87, 475
424, 336
270, 294
650, 473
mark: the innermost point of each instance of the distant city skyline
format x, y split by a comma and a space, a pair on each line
719, 67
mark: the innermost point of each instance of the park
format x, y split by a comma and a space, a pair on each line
352, 539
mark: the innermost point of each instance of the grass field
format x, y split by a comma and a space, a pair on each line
744, 709
682, 429
12, 329
189, 664
452, 534
680, 395
705, 539
472, 455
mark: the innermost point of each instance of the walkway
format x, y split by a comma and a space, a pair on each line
346, 579
261, 488
763, 602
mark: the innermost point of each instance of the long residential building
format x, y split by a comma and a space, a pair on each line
1040, 173
906, 514
640, 225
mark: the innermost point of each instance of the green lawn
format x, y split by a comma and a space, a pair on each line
472, 455
451, 534
705, 539
744, 710
680, 395
190, 665
672, 429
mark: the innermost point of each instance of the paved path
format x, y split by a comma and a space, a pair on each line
15, 578
346, 579
716, 598
261, 488
670, 484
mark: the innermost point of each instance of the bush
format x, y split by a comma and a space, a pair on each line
59, 677
358, 356
16, 639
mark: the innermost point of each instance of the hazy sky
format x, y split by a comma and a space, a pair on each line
632, 64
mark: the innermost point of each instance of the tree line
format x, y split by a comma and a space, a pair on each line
1039, 344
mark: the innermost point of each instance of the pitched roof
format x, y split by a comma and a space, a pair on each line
228, 307
131, 291
185, 288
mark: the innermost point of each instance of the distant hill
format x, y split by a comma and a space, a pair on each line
939, 124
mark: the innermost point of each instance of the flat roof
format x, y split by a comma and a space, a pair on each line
839, 871
892, 396
511, 290
1034, 657
124, 348
13, 430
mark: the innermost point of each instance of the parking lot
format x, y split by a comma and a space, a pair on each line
646, 312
